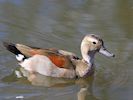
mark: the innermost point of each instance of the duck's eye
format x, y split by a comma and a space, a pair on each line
94, 42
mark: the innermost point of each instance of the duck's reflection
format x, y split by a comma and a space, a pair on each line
85, 92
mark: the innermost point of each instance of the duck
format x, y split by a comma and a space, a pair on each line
57, 62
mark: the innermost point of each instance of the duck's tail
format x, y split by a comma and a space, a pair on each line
12, 48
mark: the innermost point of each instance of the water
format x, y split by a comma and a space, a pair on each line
62, 24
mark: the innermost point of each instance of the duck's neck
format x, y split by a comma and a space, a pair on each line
89, 58
85, 67
87, 55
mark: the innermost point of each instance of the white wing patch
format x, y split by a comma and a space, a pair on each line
20, 57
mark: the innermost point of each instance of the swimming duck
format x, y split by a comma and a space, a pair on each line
60, 63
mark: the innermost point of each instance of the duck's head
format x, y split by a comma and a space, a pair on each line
92, 44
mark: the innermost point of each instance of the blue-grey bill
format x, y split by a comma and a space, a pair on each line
106, 52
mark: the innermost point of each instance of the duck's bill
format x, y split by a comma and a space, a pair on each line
105, 52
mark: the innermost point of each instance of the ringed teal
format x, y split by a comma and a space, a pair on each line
60, 63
